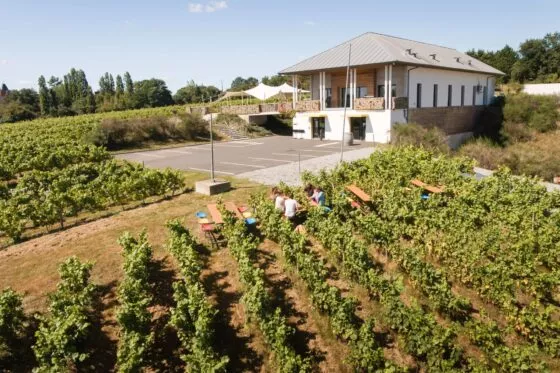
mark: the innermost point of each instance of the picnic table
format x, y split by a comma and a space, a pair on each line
358, 192
215, 213
429, 188
230, 206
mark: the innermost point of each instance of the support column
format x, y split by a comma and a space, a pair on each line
390, 93
321, 91
354, 84
386, 82
293, 92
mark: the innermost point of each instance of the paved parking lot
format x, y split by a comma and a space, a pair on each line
236, 157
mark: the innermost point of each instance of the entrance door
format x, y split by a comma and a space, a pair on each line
358, 128
318, 128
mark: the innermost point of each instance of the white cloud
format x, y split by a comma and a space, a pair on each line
310, 23
3, 62
215, 6
211, 7
195, 8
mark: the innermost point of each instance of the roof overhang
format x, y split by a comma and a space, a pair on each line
394, 63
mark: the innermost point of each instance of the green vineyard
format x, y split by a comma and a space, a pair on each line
50, 171
463, 280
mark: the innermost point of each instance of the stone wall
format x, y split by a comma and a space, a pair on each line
268, 108
285, 107
369, 103
450, 120
312, 105
201, 110
241, 109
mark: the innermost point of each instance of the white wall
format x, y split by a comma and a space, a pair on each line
542, 89
428, 77
378, 124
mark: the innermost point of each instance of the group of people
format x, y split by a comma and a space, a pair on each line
315, 194
285, 202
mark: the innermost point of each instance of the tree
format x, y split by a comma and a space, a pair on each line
504, 60
129, 85
275, 80
44, 97
193, 93
119, 90
241, 84
20, 105
151, 93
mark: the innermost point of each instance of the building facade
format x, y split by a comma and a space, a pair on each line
381, 80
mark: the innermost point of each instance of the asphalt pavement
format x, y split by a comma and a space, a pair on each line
237, 157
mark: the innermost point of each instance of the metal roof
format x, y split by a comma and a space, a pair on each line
372, 48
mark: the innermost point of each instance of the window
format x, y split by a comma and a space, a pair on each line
361, 92
381, 90
328, 97
435, 94
342, 94
474, 95
462, 95
485, 96
419, 95
450, 95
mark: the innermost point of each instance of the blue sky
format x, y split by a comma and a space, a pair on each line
214, 41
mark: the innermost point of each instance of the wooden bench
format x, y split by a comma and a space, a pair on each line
230, 206
429, 188
358, 193
215, 213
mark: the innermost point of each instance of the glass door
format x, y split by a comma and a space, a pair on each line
318, 128
358, 128
342, 94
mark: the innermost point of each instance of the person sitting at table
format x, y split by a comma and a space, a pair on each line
319, 196
309, 190
291, 207
278, 200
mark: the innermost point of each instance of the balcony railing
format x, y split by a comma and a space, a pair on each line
240, 109
378, 103
369, 103
311, 105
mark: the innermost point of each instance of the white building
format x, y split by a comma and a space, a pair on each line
430, 85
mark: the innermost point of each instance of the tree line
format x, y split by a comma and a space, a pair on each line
536, 60
73, 95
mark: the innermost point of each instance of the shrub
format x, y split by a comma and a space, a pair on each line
516, 132
488, 154
121, 133
536, 111
414, 134
543, 122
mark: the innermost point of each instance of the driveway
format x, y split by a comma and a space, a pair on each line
237, 157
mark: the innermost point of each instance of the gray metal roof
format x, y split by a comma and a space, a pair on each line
371, 48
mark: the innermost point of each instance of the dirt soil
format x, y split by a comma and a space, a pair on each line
310, 338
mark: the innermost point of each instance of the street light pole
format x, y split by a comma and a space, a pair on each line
345, 102
212, 150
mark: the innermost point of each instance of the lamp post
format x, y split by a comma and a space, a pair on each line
345, 102
212, 149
